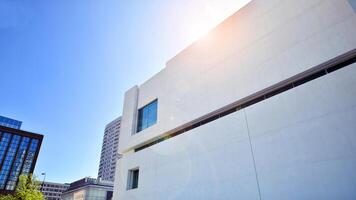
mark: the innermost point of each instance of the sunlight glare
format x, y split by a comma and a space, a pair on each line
215, 11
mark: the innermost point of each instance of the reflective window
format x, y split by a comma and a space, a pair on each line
15, 172
147, 116
17, 155
30, 156
4, 143
11, 123
10, 156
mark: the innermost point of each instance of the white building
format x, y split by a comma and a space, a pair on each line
89, 189
53, 191
264, 107
109, 151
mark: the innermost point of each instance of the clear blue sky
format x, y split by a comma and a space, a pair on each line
65, 65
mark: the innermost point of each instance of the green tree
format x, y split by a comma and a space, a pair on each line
27, 189
7, 197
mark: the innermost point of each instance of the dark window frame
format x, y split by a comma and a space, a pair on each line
146, 117
133, 178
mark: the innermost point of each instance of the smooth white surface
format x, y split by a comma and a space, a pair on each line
303, 140
262, 44
193, 165
306, 150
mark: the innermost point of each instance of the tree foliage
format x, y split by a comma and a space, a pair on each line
7, 197
27, 189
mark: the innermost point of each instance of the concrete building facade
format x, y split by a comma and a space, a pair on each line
53, 191
109, 151
263, 107
89, 189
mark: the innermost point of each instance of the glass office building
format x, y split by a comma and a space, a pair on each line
18, 154
11, 123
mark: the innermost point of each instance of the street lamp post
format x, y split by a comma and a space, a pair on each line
44, 178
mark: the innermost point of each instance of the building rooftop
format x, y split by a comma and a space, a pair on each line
87, 181
11, 123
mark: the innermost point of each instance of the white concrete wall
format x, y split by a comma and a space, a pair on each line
264, 43
201, 164
307, 150
303, 140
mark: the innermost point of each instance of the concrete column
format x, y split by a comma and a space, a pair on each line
128, 123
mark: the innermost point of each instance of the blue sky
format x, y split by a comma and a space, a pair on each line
65, 65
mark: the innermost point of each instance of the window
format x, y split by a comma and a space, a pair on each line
30, 156
132, 179
147, 116
16, 168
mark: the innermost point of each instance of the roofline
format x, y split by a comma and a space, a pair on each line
21, 132
89, 185
46, 182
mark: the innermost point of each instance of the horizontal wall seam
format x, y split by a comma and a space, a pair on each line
278, 88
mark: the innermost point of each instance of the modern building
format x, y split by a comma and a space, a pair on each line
18, 155
263, 107
11, 123
109, 151
89, 189
53, 191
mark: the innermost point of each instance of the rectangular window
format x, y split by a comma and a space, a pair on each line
132, 179
147, 116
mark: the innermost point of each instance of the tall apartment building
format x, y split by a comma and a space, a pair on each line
53, 191
11, 123
109, 151
264, 107
18, 154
